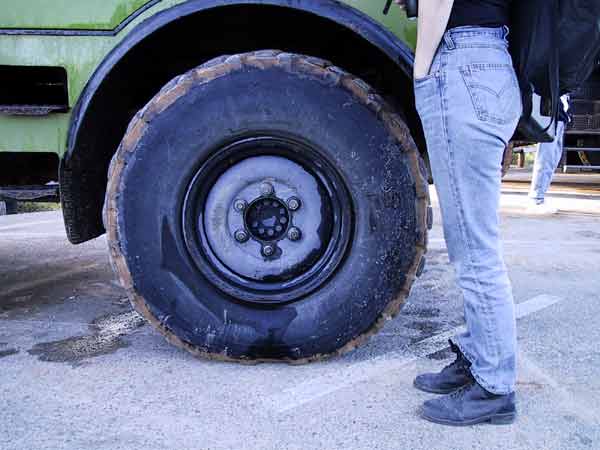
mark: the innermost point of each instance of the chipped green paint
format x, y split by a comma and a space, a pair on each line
81, 55
67, 14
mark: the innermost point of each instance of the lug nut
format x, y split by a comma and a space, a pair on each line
294, 234
266, 188
268, 250
240, 205
241, 236
294, 203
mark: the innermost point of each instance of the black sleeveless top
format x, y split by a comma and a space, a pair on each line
482, 13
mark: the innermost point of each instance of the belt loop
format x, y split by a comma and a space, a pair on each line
449, 41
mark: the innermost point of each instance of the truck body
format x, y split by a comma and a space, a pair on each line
75, 37
58, 63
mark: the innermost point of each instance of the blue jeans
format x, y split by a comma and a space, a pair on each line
469, 106
546, 161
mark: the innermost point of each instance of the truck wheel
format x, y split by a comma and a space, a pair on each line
267, 206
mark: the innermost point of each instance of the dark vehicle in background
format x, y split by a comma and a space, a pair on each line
582, 137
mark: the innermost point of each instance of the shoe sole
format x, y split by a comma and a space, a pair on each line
433, 391
494, 419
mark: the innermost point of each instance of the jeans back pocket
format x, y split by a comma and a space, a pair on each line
494, 91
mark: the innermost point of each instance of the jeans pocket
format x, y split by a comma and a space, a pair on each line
423, 89
421, 81
494, 91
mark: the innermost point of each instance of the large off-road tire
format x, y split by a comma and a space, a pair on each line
267, 206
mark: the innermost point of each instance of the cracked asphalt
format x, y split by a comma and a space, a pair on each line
80, 370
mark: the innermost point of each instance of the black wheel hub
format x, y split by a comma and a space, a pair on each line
267, 219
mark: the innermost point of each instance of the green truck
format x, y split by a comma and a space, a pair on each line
257, 165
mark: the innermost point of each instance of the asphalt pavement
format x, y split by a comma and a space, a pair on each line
80, 370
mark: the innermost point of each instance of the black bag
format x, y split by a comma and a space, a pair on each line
579, 42
554, 45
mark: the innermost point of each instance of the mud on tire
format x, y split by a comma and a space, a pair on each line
213, 174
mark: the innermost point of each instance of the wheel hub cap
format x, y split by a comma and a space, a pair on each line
257, 235
267, 219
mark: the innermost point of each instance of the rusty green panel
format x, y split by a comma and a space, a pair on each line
67, 14
81, 55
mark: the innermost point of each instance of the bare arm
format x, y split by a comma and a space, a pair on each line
433, 19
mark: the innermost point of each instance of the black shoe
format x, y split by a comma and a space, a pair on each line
451, 377
470, 405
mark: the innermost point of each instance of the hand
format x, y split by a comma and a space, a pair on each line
421, 68
420, 73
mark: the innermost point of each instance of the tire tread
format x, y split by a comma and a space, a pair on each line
302, 65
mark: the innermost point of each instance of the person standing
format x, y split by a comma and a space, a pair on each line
468, 98
547, 159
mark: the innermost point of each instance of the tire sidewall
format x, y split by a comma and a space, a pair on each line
182, 137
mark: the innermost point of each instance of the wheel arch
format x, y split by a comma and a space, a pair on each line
102, 114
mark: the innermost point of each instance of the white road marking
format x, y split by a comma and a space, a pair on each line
535, 304
26, 224
580, 406
351, 373
336, 379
